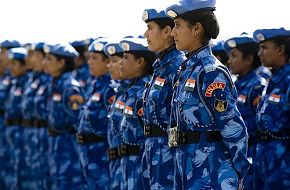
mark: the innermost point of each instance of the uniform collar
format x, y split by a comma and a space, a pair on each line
101, 80
281, 73
242, 81
195, 56
165, 56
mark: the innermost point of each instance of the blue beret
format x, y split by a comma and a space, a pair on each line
17, 53
9, 44
219, 46
185, 6
78, 43
112, 48
98, 45
134, 44
236, 41
267, 34
65, 50
38, 46
151, 15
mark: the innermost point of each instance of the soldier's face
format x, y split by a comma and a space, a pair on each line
238, 65
269, 53
128, 66
155, 37
54, 66
115, 67
97, 64
17, 69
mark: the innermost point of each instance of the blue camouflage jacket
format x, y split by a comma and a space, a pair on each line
205, 100
93, 115
132, 125
83, 76
157, 96
5, 85
64, 102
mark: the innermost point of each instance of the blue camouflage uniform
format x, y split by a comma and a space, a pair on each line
132, 135
273, 116
157, 161
249, 88
6, 169
13, 121
92, 130
41, 117
63, 110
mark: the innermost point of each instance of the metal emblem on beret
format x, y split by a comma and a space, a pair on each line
172, 14
46, 49
232, 43
111, 50
125, 46
98, 46
145, 15
32, 47
260, 37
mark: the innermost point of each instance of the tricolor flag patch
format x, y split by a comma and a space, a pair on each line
274, 98
17, 92
96, 97
128, 111
242, 98
56, 97
119, 105
6, 82
159, 82
189, 85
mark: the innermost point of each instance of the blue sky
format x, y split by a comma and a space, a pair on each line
67, 20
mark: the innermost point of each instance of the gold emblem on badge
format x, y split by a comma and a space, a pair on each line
220, 105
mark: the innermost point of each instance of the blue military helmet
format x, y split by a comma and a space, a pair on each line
98, 45
18, 53
134, 44
186, 6
37, 46
9, 44
231, 43
64, 50
152, 14
262, 35
113, 48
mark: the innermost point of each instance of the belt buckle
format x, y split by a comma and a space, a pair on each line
80, 138
173, 137
122, 150
147, 130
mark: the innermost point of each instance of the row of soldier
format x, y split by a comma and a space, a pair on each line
137, 114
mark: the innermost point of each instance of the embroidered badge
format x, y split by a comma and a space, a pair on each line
242, 98
189, 85
220, 105
274, 98
128, 111
96, 97
159, 82
18, 92
75, 101
120, 106
213, 86
56, 97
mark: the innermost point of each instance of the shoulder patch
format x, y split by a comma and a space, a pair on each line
75, 101
220, 105
213, 86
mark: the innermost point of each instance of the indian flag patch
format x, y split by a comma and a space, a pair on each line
56, 97
96, 97
189, 85
18, 92
159, 82
128, 111
242, 98
274, 98
120, 106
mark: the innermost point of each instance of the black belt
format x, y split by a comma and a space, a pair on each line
53, 132
89, 138
264, 136
1, 112
39, 123
154, 131
12, 122
27, 123
127, 150
113, 153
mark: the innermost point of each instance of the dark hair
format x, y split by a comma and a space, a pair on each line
287, 47
21, 61
223, 55
207, 19
163, 22
149, 58
249, 49
69, 62
81, 50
